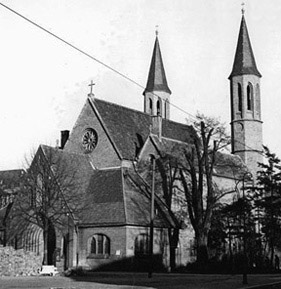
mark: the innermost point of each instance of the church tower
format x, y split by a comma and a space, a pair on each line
246, 124
157, 93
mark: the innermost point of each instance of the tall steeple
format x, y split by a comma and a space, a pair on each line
246, 124
244, 61
157, 93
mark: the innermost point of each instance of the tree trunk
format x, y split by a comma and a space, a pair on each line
173, 240
45, 234
202, 250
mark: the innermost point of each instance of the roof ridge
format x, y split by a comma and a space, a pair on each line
140, 112
119, 105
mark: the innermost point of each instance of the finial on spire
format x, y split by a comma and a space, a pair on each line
156, 30
243, 8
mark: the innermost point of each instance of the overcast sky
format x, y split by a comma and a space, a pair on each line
44, 83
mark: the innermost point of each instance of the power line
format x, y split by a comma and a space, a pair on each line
89, 56
102, 63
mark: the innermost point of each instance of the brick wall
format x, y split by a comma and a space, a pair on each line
18, 262
104, 154
117, 237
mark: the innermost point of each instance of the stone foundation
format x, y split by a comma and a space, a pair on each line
18, 262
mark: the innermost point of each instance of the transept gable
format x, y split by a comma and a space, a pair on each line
90, 137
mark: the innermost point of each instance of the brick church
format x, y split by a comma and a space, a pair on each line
106, 143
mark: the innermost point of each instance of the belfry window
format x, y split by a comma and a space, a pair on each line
239, 97
150, 106
249, 97
166, 107
158, 106
258, 103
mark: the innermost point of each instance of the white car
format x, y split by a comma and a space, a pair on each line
49, 270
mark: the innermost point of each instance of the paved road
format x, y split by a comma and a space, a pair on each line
137, 281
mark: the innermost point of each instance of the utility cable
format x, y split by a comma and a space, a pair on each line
88, 55
101, 63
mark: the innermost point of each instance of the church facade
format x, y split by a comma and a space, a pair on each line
106, 143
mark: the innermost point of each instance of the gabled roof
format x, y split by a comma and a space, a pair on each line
130, 128
156, 77
105, 195
244, 61
116, 200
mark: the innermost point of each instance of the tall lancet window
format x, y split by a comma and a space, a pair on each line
158, 105
257, 99
239, 97
249, 96
150, 106
166, 107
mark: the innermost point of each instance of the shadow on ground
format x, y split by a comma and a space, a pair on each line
177, 281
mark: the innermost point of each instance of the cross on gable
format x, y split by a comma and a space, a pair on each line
91, 89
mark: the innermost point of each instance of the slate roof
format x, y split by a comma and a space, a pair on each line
226, 165
244, 61
105, 195
115, 200
157, 80
104, 199
138, 204
130, 128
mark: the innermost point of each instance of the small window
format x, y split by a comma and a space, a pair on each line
142, 245
249, 96
150, 106
158, 104
258, 101
100, 245
166, 108
239, 97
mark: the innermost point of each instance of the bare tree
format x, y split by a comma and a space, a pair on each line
50, 194
185, 174
11, 223
197, 177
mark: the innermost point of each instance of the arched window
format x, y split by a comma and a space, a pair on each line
166, 108
100, 245
158, 105
249, 96
150, 106
93, 246
142, 245
239, 97
257, 98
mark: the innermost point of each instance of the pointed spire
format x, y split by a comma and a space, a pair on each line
157, 78
244, 61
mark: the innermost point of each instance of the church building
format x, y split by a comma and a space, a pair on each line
103, 148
